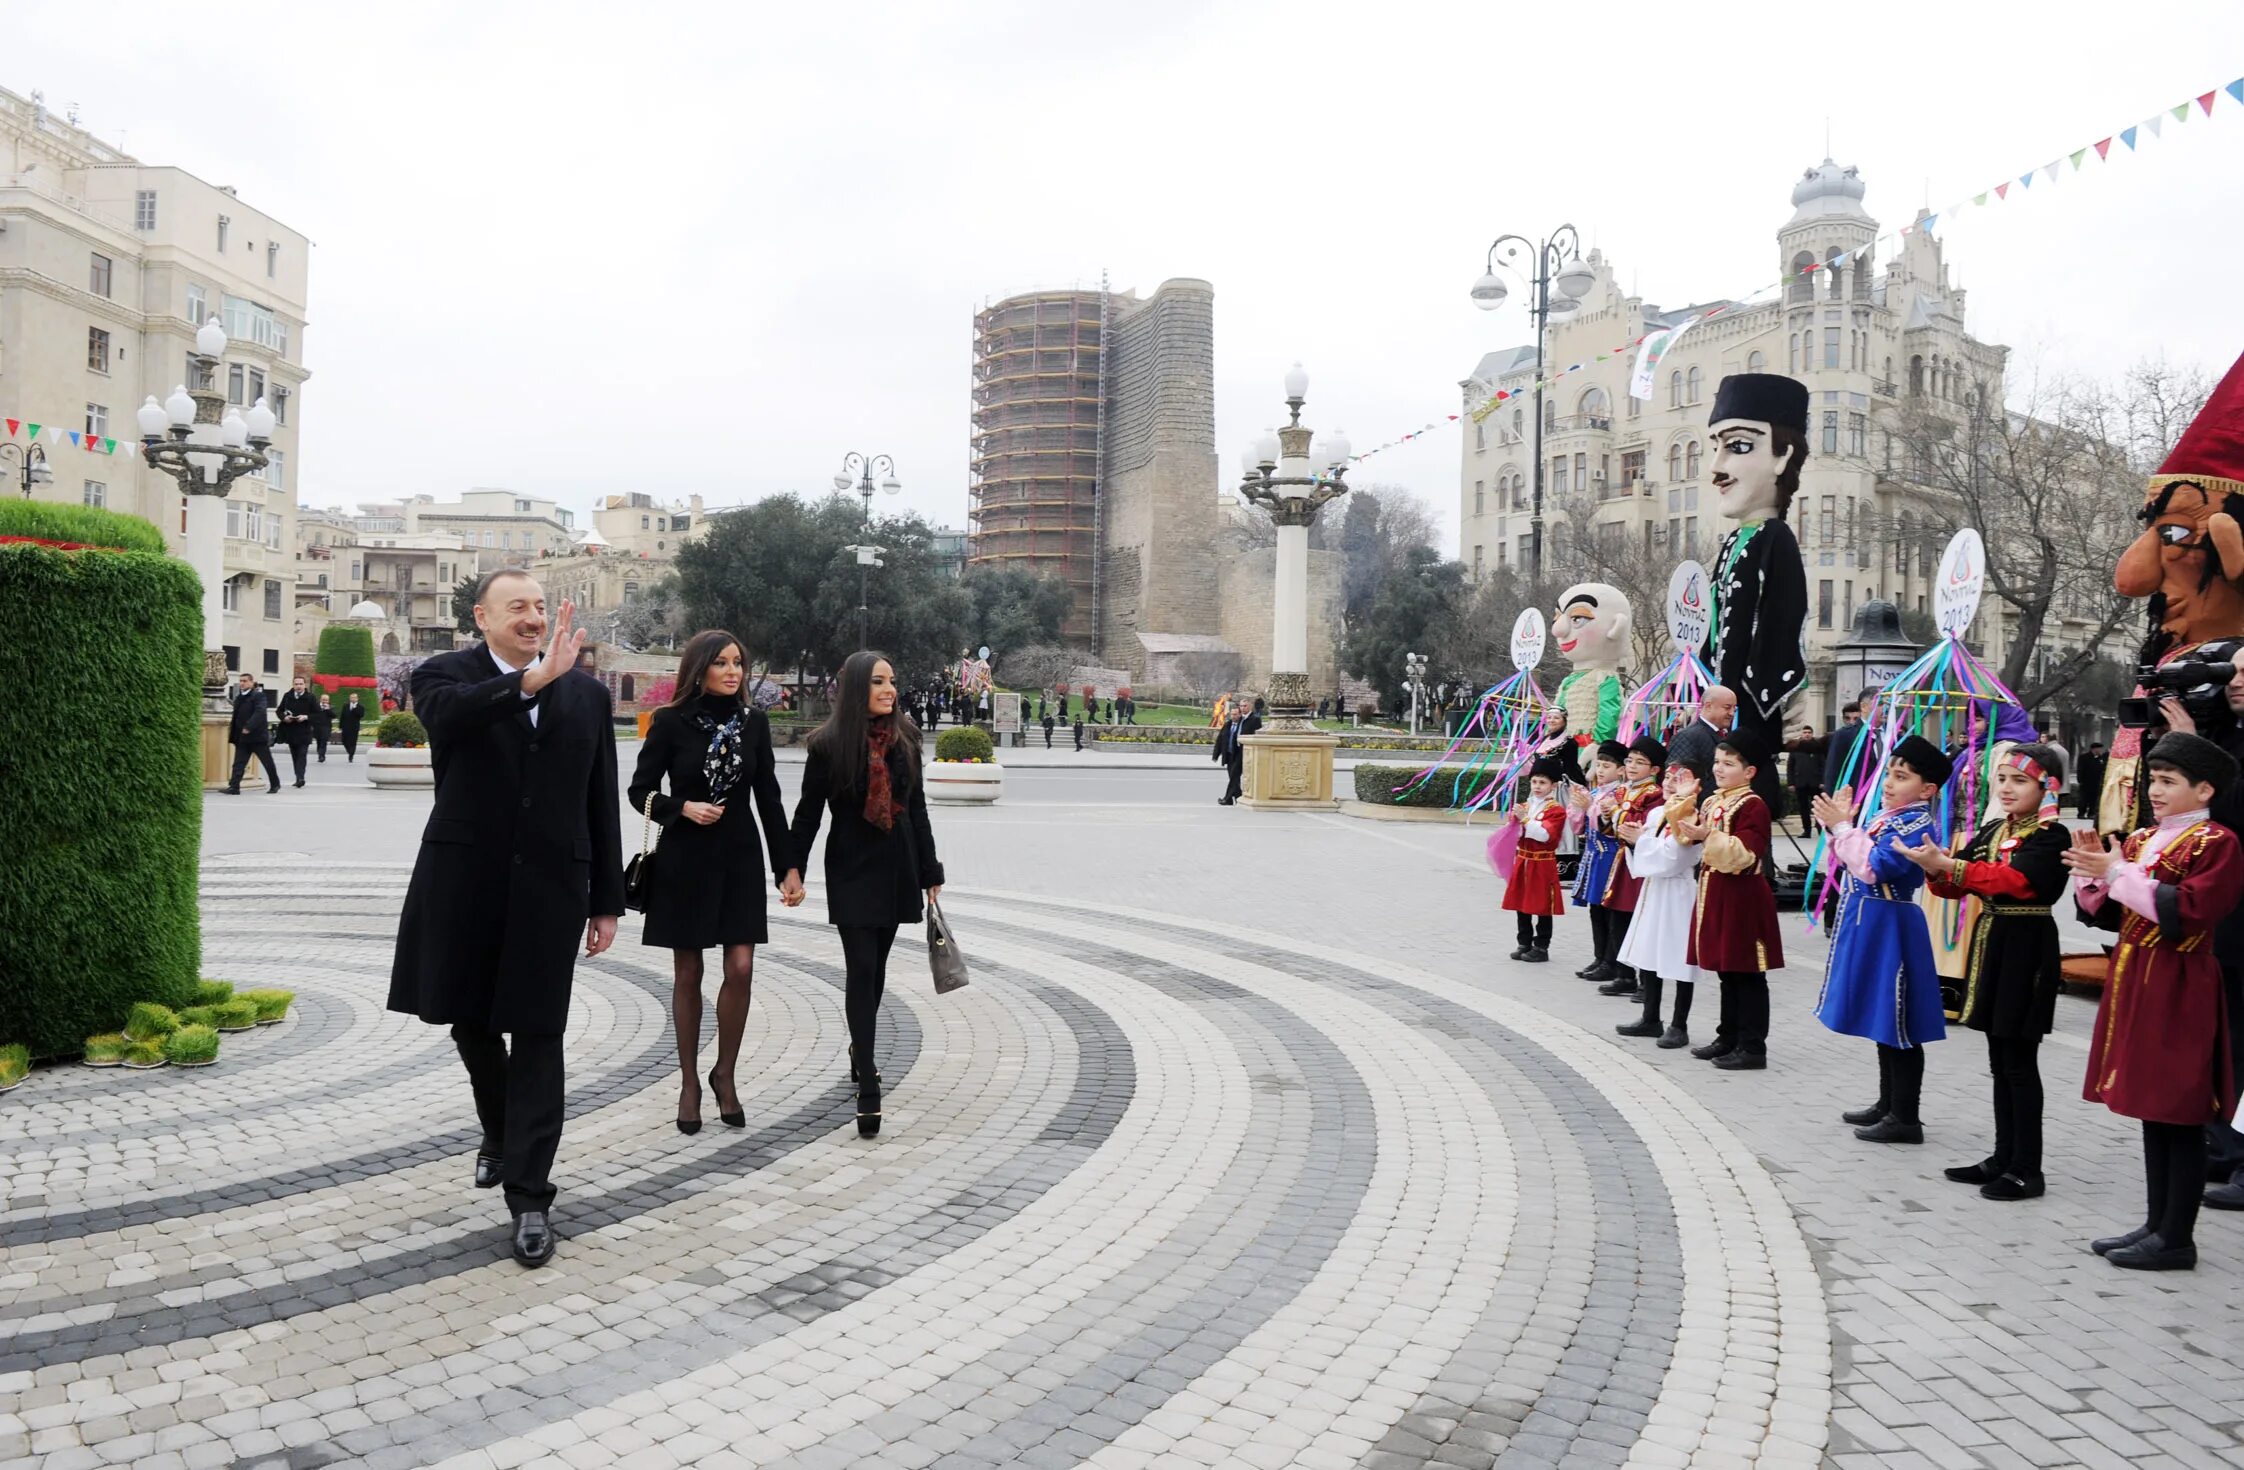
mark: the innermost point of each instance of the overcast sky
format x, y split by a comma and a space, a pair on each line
576, 249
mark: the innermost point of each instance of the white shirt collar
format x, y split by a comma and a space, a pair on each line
504, 666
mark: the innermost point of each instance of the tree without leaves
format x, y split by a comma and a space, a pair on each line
1380, 528
1207, 673
1040, 666
1617, 553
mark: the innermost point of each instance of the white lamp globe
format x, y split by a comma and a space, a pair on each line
842, 482
1297, 382
891, 485
1336, 448
1266, 448
1489, 291
180, 407
152, 419
261, 420
1576, 280
211, 340
233, 432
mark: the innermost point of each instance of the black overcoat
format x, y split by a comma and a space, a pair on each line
294, 732
522, 847
873, 878
252, 720
707, 886
1760, 618
323, 721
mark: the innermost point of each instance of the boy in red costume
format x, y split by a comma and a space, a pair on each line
1533, 891
1734, 926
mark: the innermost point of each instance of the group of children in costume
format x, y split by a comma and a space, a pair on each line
1675, 872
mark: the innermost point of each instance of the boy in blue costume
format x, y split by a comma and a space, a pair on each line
1880, 981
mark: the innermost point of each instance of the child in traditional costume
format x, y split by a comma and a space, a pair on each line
2160, 1050
1659, 937
2015, 867
1879, 981
1533, 889
1734, 925
1591, 814
1638, 797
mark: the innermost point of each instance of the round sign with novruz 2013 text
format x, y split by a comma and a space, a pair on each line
1527, 640
1963, 574
1690, 607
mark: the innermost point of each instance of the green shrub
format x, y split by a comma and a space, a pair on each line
143, 1054
106, 1050
211, 992
964, 743
191, 1044
150, 1022
346, 651
401, 728
101, 658
1375, 786
200, 1015
236, 1014
15, 1063
271, 1004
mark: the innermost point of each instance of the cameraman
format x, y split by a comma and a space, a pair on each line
2225, 1146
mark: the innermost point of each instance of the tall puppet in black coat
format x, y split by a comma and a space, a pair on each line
1759, 426
522, 855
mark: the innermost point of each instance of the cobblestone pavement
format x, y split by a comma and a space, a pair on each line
1245, 1147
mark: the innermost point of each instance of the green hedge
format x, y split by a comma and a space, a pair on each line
964, 743
346, 651
101, 658
400, 727
1375, 785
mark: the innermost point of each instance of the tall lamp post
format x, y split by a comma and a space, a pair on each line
1290, 762
1557, 262
196, 439
868, 556
34, 470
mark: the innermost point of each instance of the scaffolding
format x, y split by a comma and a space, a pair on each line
1033, 476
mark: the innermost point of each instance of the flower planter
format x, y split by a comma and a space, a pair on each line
400, 766
964, 783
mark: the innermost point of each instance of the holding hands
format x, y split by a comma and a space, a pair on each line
2088, 856
791, 888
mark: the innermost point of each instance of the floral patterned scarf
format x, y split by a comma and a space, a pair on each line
881, 806
721, 767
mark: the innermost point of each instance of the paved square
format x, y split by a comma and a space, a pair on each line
1245, 1147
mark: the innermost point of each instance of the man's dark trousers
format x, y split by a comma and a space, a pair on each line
520, 1099
264, 752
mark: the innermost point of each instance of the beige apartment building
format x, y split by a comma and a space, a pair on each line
107, 268
503, 527
1864, 339
344, 562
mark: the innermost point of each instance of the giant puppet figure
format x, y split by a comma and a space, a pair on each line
2189, 561
1591, 628
1754, 645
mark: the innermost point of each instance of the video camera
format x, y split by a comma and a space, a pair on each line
2198, 678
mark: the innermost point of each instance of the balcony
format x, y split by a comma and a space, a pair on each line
1579, 423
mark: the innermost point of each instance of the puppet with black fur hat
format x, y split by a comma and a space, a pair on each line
1532, 891
1879, 981
1759, 428
1734, 927
2159, 1052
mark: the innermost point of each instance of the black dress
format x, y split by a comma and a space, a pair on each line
2011, 982
873, 878
708, 883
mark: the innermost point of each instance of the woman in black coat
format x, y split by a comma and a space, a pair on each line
347, 723
706, 885
864, 765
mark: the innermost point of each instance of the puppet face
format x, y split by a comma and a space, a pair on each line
1638, 767
2172, 793
1905, 787
2189, 558
1746, 466
2016, 792
1590, 625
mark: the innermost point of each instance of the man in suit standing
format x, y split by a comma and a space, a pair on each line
1230, 754
1695, 740
252, 734
1840, 746
521, 853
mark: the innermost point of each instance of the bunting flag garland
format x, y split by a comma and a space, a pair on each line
2132, 137
59, 436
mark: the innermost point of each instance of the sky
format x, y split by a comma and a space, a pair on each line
584, 249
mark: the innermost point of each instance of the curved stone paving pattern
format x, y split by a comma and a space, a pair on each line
1151, 1192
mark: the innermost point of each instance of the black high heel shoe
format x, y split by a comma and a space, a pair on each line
691, 1125
868, 1105
730, 1120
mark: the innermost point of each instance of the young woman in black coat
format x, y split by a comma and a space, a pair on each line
706, 886
863, 764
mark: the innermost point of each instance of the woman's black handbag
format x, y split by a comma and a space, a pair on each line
638, 874
943, 957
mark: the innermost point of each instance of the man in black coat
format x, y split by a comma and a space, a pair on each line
2090, 778
522, 853
1694, 741
252, 734
1840, 745
297, 711
1231, 755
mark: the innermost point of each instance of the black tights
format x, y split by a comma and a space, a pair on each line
1901, 1081
865, 959
732, 1016
1682, 1015
2014, 1064
1745, 1011
1608, 928
1535, 931
2174, 1171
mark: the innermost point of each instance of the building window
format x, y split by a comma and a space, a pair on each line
1675, 461
98, 276
1830, 347
276, 469
97, 350
1675, 390
1756, 362
1480, 504
279, 405
97, 420
251, 321
506, 541
234, 384
643, 524
1691, 460
1558, 475
229, 597
198, 306
96, 493
224, 224
358, 573
272, 661
1476, 563
1823, 603
1831, 431
256, 388
273, 530
1829, 521
1480, 435
1690, 535
1697, 384
144, 209
272, 259
253, 521
488, 539
1916, 377
1635, 405
1632, 466
272, 599
1792, 352
1803, 279
1858, 435
522, 507
1581, 471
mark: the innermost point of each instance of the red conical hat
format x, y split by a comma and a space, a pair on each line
2211, 451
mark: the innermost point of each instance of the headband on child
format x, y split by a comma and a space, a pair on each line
2026, 765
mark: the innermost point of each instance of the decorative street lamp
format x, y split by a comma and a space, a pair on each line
1557, 262
868, 556
35, 471
196, 439
1283, 476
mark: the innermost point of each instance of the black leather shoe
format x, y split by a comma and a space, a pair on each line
2152, 1253
1522, 952
1598, 973
233, 791
1618, 985
533, 1239
1742, 1061
1590, 971
868, 1105
2229, 1196
487, 1168
1537, 956
1674, 1037
1890, 1129
1641, 1026
1863, 1117
2112, 1243
1983, 1172
2012, 1186
1712, 1050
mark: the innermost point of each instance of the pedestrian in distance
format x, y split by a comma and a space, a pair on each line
1079, 729
251, 731
1803, 772
705, 881
522, 854
297, 708
1231, 755
863, 770
323, 726
346, 725
1046, 721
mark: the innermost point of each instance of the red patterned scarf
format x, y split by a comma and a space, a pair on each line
881, 806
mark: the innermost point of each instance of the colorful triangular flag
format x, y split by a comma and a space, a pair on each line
34, 428
2103, 150
2206, 101
108, 446
2002, 191
2127, 136
13, 425
2180, 111
2049, 170
2078, 155
2026, 180
2235, 89
1979, 198
2154, 122
74, 437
